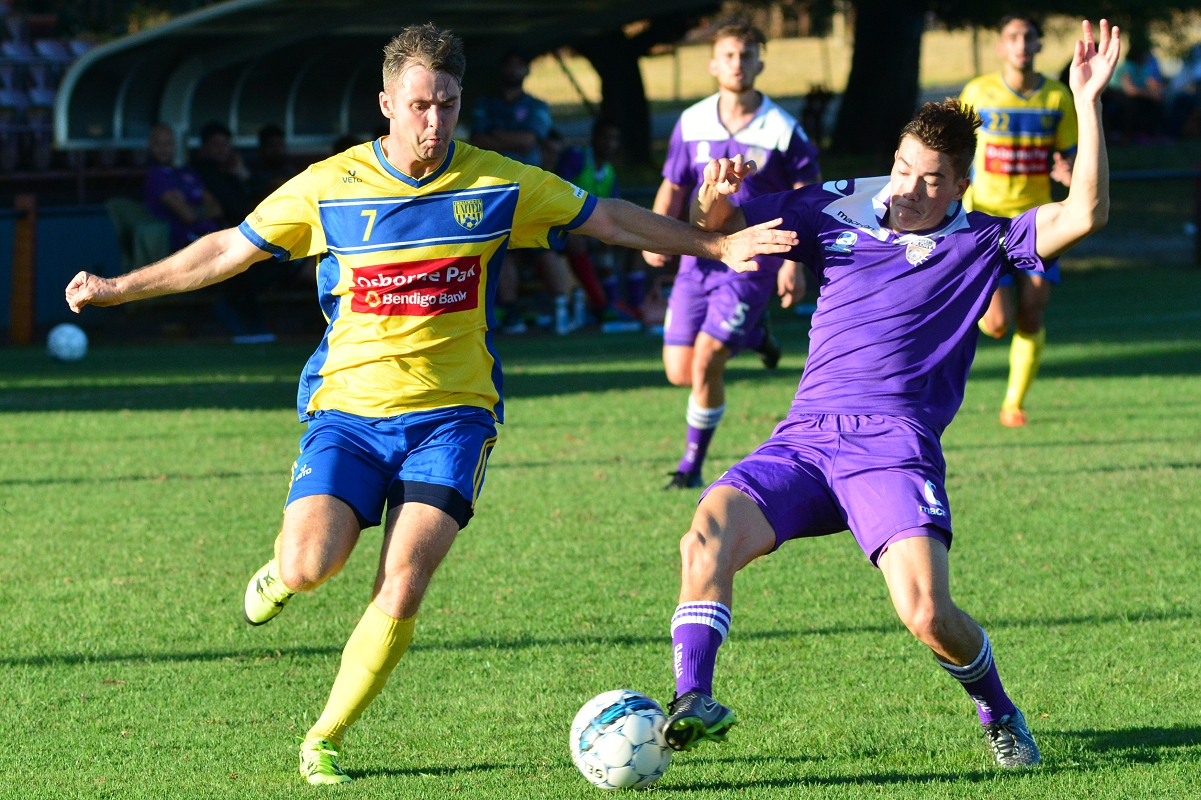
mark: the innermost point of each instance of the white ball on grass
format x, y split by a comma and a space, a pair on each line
617, 740
67, 342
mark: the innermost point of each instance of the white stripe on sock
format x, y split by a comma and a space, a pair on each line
975, 670
714, 615
703, 418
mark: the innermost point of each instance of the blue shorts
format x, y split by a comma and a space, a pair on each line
435, 457
1051, 274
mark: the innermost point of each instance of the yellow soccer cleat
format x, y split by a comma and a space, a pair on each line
319, 763
266, 595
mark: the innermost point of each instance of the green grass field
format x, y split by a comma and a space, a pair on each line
141, 488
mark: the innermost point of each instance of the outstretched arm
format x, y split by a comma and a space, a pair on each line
1086, 209
669, 201
621, 223
204, 262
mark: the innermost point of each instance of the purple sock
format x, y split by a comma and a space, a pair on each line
694, 452
701, 424
697, 630
983, 684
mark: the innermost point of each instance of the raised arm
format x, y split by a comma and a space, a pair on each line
204, 262
1086, 209
621, 223
711, 208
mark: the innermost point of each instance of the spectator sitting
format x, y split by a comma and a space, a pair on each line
517, 125
1140, 88
512, 123
220, 167
591, 169
271, 169
1185, 116
177, 194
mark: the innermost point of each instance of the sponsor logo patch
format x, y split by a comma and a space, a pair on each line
919, 250
935, 509
417, 288
1006, 159
843, 244
469, 213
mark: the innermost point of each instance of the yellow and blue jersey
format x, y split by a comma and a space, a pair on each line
409, 271
1011, 170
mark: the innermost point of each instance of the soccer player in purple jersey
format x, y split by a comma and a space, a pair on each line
905, 274
714, 312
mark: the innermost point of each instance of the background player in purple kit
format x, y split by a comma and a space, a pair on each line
713, 311
905, 274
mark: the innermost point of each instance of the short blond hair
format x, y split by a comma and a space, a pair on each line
434, 48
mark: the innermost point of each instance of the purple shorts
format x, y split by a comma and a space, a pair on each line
728, 311
818, 474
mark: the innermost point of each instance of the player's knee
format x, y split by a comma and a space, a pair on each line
923, 619
931, 622
679, 374
700, 553
300, 573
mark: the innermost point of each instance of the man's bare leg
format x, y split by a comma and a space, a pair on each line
917, 575
416, 539
728, 532
318, 535
702, 367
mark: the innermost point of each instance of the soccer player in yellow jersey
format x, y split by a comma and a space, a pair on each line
1028, 139
402, 397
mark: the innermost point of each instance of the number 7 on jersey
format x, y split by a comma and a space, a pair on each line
370, 215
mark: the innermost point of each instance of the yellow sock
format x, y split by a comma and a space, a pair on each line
1025, 354
372, 651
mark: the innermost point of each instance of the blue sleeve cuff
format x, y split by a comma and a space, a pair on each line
277, 252
556, 237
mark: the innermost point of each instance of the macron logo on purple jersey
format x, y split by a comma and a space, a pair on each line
935, 508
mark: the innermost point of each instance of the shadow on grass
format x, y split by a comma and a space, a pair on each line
431, 772
216, 476
264, 396
1090, 750
536, 642
1168, 362
1135, 745
75, 659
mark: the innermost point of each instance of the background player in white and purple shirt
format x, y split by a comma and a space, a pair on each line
905, 274
714, 312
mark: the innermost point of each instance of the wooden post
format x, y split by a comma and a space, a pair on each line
21, 317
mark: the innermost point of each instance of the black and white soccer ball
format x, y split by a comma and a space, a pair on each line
67, 342
617, 740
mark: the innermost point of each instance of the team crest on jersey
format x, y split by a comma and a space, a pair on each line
843, 244
702, 151
469, 213
919, 250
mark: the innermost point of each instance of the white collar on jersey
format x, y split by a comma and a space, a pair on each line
771, 128
866, 206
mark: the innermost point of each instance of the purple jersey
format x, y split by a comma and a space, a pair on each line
895, 328
772, 139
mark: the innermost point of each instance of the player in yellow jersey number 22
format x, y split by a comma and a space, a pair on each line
402, 397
